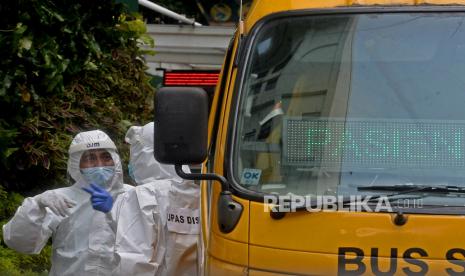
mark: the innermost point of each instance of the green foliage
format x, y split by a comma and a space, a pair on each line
14, 263
66, 67
9, 203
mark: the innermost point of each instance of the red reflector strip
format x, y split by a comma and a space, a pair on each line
190, 79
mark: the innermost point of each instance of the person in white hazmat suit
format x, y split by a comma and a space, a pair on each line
158, 222
82, 238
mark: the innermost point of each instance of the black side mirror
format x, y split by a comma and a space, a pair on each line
181, 125
180, 137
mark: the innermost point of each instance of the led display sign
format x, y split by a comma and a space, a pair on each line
374, 143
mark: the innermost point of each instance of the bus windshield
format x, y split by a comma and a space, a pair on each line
331, 103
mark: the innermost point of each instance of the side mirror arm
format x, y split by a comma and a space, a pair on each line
203, 176
229, 211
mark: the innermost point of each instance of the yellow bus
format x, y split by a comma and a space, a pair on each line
335, 141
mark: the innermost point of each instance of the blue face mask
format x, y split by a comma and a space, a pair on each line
131, 172
98, 175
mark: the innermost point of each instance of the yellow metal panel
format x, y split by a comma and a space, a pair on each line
228, 251
384, 2
262, 8
205, 226
241, 231
215, 103
309, 243
231, 248
305, 263
285, 261
213, 114
214, 106
218, 267
223, 129
440, 2
254, 272
326, 232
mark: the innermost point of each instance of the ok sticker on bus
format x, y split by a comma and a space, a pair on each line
251, 176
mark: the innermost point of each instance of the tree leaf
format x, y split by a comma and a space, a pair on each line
90, 66
25, 43
10, 151
25, 96
20, 28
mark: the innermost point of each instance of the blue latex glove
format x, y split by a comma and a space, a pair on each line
100, 198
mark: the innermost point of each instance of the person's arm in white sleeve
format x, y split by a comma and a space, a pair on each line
30, 228
112, 216
119, 199
137, 234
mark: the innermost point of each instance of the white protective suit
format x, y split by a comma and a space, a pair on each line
83, 241
158, 222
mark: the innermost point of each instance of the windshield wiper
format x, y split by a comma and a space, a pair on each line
406, 189
276, 214
397, 189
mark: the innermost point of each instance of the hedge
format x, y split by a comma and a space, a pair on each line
65, 67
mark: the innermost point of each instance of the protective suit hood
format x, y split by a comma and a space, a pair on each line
89, 140
145, 167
